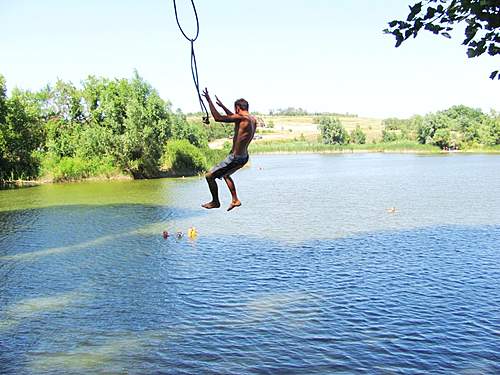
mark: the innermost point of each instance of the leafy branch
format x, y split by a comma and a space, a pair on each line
482, 17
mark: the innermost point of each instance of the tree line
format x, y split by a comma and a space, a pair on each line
333, 132
459, 127
292, 111
103, 127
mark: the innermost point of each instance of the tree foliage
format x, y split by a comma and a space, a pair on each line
20, 134
482, 17
456, 127
103, 126
121, 119
358, 136
183, 157
290, 111
332, 131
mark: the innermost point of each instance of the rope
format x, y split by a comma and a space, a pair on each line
194, 67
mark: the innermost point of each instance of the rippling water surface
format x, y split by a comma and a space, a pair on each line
311, 275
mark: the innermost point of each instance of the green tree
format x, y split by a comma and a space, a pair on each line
332, 131
482, 19
195, 133
20, 134
358, 136
490, 130
390, 136
3, 99
442, 138
121, 120
467, 121
430, 124
145, 128
290, 111
3, 128
400, 129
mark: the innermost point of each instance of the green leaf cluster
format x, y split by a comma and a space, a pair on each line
481, 17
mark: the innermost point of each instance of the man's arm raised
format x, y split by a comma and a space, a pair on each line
216, 115
219, 103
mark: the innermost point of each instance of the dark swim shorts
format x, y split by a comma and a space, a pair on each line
229, 165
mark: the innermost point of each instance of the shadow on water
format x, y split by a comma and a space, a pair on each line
420, 300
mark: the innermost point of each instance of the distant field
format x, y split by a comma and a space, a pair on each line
304, 128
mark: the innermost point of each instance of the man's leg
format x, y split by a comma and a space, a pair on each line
212, 185
235, 201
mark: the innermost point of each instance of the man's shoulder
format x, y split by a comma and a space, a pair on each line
249, 119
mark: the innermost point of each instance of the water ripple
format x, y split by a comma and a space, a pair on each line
96, 289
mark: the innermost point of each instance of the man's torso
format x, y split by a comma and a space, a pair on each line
244, 131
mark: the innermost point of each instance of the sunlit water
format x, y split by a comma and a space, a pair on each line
312, 275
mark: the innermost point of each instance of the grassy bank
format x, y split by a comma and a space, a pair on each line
180, 158
286, 146
483, 149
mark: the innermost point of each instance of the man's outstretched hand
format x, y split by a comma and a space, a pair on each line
206, 95
218, 102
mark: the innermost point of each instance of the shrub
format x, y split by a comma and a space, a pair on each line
390, 136
76, 168
214, 156
181, 157
358, 136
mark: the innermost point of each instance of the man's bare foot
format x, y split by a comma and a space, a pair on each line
233, 205
210, 205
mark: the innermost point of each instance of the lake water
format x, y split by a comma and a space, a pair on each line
311, 275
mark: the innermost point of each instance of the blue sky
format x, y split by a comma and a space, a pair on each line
316, 54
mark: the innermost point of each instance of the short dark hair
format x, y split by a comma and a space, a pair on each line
242, 103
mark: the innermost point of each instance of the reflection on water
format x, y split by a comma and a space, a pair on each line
275, 303
310, 275
32, 255
89, 355
100, 354
30, 307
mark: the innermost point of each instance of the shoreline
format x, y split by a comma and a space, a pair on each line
367, 151
6, 185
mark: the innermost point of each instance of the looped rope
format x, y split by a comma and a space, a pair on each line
197, 22
194, 67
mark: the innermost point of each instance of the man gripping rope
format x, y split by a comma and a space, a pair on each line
244, 130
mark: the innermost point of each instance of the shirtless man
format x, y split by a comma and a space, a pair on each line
244, 130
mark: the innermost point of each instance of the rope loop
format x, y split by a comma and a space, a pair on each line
194, 66
179, 24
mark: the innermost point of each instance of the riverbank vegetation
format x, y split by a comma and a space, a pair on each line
115, 128
104, 128
303, 146
458, 128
